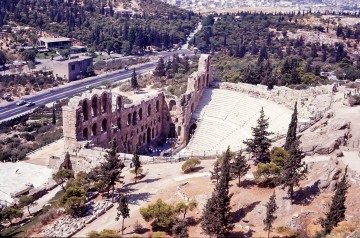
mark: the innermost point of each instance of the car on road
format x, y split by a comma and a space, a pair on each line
30, 104
7, 97
20, 103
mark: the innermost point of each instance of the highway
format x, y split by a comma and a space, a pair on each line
12, 110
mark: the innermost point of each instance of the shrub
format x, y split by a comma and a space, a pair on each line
158, 234
190, 164
354, 100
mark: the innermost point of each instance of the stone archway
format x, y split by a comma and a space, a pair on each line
148, 135
94, 129
85, 134
94, 105
104, 125
85, 110
172, 131
172, 105
192, 130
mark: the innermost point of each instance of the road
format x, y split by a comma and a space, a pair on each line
11, 110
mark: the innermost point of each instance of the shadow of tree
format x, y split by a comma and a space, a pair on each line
305, 196
196, 169
134, 198
246, 183
142, 181
242, 212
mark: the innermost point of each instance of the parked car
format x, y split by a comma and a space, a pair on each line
30, 104
20, 103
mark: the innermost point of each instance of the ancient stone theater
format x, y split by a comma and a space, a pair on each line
99, 116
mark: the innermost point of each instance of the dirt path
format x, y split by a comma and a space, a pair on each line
161, 181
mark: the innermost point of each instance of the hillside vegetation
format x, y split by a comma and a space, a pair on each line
100, 26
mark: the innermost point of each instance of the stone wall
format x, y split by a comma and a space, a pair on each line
100, 116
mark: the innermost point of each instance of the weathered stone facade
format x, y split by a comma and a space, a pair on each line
101, 116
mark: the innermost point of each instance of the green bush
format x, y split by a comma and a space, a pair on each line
190, 165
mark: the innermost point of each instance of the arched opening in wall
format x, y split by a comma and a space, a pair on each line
140, 141
148, 135
119, 103
207, 80
179, 130
172, 132
172, 104
85, 134
104, 125
140, 114
125, 147
94, 105
85, 110
192, 130
153, 133
129, 119
157, 106
149, 110
104, 102
94, 129
192, 107
144, 138
134, 118
118, 122
129, 147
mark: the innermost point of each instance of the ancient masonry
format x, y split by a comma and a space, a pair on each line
100, 116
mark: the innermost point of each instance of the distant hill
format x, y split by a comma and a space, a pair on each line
123, 28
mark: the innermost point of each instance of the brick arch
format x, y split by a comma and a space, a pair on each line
94, 129
94, 105
104, 125
85, 109
172, 104
104, 102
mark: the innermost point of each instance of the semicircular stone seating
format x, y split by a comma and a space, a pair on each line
225, 119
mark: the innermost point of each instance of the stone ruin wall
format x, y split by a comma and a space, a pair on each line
100, 116
310, 101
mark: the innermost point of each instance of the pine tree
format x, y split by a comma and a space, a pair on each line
134, 82
110, 170
216, 219
160, 68
123, 210
53, 115
259, 145
294, 169
136, 162
271, 208
337, 210
291, 133
240, 166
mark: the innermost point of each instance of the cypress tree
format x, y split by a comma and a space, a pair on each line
240, 166
294, 169
271, 208
134, 82
259, 145
136, 162
110, 170
216, 220
291, 133
123, 210
160, 68
53, 115
67, 162
337, 210
216, 171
